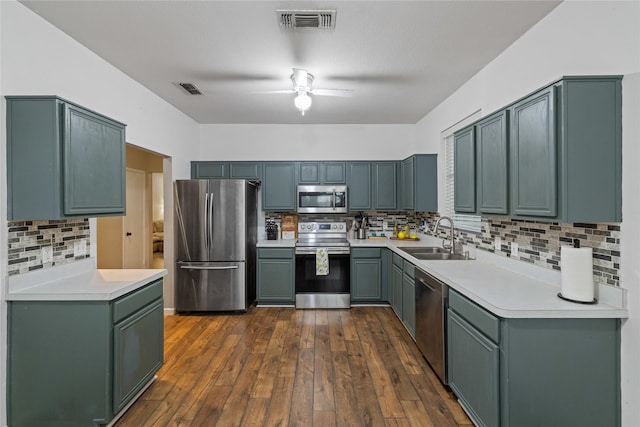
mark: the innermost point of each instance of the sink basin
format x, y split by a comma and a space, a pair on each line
429, 253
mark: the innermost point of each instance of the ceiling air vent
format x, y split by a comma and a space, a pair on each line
291, 19
191, 88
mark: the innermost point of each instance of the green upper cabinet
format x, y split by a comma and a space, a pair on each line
419, 183
63, 161
492, 160
533, 148
359, 184
279, 186
226, 170
245, 170
322, 173
385, 185
464, 171
209, 170
566, 151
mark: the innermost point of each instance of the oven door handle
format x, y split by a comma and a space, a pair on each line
330, 251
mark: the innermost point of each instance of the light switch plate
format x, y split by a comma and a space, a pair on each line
47, 254
514, 250
497, 244
79, 248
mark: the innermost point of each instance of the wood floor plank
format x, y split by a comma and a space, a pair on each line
278, 366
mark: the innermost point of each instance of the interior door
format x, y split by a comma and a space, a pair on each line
134, 249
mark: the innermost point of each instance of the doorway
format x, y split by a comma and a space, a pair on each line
137, 239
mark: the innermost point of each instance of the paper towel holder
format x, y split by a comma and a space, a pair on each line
594, 301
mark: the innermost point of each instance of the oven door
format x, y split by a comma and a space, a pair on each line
322, 291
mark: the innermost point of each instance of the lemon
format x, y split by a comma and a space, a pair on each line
414, 236
401, 235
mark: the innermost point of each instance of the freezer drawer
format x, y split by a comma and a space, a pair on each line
211, 286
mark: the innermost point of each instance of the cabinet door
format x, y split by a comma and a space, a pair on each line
464, 171
245, 170
473, 370
209, 170
359, 183
533, 148
279, 186
309, 173
276, 279
384, 185
396, 290
409, 303
365, 279
492, 158
93, 163
407, 188
334, 173
138, 352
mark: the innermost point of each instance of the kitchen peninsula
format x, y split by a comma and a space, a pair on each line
75, 328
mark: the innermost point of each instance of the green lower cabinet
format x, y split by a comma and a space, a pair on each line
396, 286
533, 372
276, 275
77, 363
409, 298
366, 275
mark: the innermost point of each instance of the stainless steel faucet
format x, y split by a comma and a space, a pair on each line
451, 247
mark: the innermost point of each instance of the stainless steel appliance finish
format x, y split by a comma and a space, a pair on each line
318, 291
216, 235
322, 199
432, 300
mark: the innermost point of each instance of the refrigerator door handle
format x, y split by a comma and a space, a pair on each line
210, 218
206, 221
200, 267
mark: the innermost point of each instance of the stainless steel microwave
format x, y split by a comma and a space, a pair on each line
322, 199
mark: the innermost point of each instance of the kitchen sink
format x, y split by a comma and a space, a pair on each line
429, 253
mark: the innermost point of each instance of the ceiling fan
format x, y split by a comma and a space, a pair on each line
302, 86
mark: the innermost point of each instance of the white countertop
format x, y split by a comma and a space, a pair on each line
505, 287
78, 281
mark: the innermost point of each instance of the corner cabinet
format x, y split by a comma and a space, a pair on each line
276, 275
419, 183
80, 362
63, 160
533, 372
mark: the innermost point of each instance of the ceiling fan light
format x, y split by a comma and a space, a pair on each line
302, 102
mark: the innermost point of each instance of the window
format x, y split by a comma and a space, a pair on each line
461, 221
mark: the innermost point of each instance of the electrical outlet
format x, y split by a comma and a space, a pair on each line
385, 225
79, 248
497, 244
514, 250
47, 254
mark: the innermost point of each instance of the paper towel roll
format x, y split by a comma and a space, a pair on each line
576, 279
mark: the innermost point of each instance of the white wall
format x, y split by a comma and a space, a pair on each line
306, 142
37, 58
576, 38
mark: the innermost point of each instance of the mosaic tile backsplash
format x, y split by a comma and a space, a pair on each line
538, 242
27, 238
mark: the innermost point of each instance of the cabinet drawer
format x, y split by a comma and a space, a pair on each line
275, 253
397, 260
409, 269
134, 301
365, 253
481, 319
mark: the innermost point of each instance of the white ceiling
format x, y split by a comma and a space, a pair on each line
401, 58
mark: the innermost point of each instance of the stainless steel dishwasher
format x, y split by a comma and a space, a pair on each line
432, 300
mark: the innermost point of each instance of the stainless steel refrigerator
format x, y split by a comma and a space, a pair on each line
216, 234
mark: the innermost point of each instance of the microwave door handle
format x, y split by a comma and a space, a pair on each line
333, 200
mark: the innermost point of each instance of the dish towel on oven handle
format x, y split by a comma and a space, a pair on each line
322, 261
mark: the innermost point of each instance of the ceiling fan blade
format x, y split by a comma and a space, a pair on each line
275, 91
300, 77
346, 93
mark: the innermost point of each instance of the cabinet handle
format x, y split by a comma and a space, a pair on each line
128, 233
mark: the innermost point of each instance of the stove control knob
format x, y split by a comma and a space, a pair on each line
341, 226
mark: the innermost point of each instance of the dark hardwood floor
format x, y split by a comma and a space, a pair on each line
284, 367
